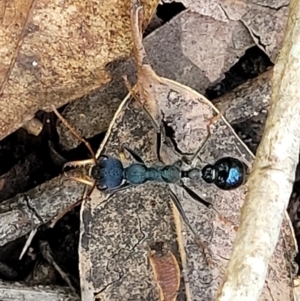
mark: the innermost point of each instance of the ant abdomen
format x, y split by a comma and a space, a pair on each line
227, 173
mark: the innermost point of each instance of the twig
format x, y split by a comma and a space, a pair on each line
271, 180
27, 211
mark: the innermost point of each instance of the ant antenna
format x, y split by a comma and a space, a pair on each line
75, 133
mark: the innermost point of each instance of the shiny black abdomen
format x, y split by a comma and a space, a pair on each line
230, 173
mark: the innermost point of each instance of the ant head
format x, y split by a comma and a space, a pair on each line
108, 173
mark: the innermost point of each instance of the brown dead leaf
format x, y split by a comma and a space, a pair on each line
52, 52
192, 49
265, 19
166, 271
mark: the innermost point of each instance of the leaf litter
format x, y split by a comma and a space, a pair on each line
116, 233
54, 52
177, 50
155, 160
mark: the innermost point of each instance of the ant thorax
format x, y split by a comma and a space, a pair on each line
193, 174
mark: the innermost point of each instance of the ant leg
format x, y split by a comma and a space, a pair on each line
208, 205
111, 192
178, 164
64, 212
211, 121
198, 240
119, 188
72, 206
195, 196
134, 154
158, 146
152, 120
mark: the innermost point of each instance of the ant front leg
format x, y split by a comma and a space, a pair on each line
119, 188
154, 123
134, 154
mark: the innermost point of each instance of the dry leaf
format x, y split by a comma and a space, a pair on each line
166, 271
53, 52
265, 20
178, 50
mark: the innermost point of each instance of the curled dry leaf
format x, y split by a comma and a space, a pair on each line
116, 232
52, 52
166, 271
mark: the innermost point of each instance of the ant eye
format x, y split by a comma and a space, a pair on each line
101, 187
103, 161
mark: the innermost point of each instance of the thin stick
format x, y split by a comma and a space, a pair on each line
134, 95
28, 242
64, 212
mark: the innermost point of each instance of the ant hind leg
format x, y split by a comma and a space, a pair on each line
208, 205
198, 240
